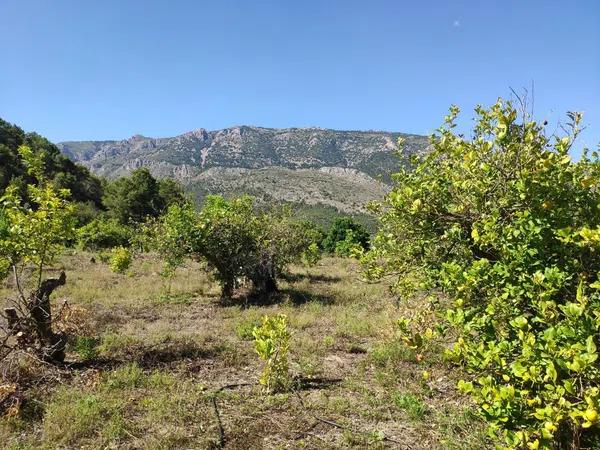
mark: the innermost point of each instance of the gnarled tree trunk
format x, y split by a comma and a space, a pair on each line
52, 344
264, 278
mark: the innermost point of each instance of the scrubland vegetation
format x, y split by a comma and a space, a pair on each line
469, 320
144, 366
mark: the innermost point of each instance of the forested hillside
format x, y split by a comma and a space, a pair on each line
84, 187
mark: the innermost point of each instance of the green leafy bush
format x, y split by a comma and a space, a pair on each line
225, 234
344, 235
271, 342
279, 241
311, 255
120, 259
103, 233
507, 225
349, 246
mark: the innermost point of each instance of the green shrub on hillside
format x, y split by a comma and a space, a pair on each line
56, 168
507, 225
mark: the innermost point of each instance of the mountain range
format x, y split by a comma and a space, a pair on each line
314, 167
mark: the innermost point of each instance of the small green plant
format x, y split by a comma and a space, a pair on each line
328, 341
120, 259
413, 406
271, 341
311, 256
245, 329
86, 347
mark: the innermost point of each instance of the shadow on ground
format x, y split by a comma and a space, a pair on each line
150, 358
313, 278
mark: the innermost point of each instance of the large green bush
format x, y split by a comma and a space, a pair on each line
507, 225
102, 233
344, 235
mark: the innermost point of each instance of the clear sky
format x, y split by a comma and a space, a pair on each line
109, 69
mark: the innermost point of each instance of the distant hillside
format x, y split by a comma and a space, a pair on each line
312, 166
84, 187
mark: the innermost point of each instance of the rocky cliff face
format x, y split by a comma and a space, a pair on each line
343, 169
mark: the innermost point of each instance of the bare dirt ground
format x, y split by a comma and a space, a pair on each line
151, 367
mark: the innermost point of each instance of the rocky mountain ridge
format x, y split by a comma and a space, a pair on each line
341, 169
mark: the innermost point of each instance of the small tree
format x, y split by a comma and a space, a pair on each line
228, 231
132, 199
281, 241
32, 233
175, 236
235, 241
272, 342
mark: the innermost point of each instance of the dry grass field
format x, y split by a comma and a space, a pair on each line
158, 367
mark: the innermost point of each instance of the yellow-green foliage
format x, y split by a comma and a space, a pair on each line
120, 259
507, 224
271, 342
311, 255
103, 233
34, 230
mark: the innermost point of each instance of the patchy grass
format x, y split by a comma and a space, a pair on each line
150, 360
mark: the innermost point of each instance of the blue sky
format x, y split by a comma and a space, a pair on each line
109, 69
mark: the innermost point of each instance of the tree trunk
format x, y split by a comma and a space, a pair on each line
12, 320
264, 277
227, 290
52, 344
270, 285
